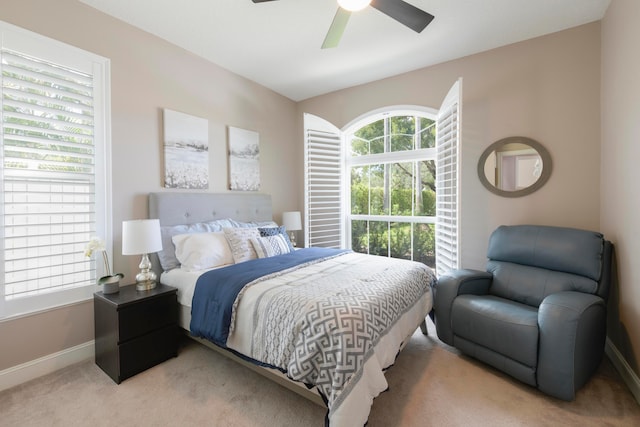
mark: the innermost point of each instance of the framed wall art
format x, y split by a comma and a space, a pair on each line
186, 151
244, 160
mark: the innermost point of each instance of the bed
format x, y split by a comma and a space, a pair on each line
324, 323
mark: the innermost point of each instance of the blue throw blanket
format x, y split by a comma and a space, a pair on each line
217, 290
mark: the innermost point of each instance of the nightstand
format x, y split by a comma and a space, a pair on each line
135, 330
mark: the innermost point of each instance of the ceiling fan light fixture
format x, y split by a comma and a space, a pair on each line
353, 5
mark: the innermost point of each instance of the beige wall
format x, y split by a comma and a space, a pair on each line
149, 74
620, 201
546, 89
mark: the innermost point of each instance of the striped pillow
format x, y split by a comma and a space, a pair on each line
269, 246
273, 231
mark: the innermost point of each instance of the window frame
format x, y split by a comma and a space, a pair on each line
37, 46
382, 158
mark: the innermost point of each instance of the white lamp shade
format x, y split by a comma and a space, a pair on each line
291, 221
141, 236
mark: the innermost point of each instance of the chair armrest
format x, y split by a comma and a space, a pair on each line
447, 288
572, 328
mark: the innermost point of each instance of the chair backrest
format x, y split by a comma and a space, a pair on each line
529, 262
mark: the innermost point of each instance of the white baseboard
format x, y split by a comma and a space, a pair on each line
45, 365
628, 376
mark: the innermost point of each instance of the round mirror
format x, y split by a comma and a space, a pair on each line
514, 166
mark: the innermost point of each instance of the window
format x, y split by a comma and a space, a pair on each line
387, 185
55, 168
391, 168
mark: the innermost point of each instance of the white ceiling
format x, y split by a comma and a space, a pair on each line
277, 44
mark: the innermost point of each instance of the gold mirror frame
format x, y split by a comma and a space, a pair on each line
496, 146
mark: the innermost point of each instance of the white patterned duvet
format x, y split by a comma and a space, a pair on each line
335, 324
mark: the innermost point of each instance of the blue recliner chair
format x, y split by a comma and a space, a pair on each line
539, 311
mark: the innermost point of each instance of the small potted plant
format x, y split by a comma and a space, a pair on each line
111, 282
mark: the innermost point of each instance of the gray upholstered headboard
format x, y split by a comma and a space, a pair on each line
174, 208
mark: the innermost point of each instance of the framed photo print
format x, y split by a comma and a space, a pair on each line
186, 151
244, 160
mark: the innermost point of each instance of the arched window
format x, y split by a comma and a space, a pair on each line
387, 184
391, 185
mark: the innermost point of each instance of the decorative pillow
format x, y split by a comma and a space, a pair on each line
198, 251
270, 245
274, 231
240, 241
167, 255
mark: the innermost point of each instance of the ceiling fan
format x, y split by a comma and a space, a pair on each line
400, 10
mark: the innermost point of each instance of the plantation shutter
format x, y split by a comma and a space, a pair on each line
48, 175
324, 219
54, 170
447, 181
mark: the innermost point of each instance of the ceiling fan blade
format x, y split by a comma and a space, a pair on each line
260, 1
404, 13
336, 29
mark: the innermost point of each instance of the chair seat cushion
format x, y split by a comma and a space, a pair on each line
506, 327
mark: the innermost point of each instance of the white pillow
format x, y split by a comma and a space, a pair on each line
270, 245
240, 241
202, 250
167, 255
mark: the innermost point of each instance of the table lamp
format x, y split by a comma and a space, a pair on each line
142, 237
292, 222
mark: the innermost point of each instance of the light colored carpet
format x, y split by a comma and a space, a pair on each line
430, 385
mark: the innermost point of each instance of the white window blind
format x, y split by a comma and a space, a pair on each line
324, 220
49, 175
53, 176
447, 181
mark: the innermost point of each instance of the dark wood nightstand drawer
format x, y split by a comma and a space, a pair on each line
142, 353
135, 330
146, 316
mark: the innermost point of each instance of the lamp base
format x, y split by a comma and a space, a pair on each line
146, 279
292, 238
145, 286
